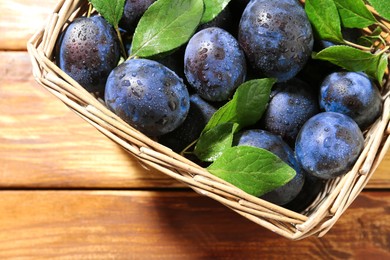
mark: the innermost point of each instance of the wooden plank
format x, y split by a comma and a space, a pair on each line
20, 19
44, 144
172, 225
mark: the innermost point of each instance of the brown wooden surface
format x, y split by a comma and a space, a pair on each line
43, 137
68, 192
173, 225
20, 19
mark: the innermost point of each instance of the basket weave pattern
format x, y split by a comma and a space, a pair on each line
316, 220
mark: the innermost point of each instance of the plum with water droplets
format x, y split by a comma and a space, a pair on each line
88, 50
276, 36
328, 145
214, 64
148, 96
291, 104
352, 94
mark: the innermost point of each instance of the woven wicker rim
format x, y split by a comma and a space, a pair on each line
316, 220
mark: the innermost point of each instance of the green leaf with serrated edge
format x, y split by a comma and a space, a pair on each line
324, 17
347, 57
377, 69
369, 40
212, 143
353, 59
382, 66
366, 41
354, 14
165, 26
111, 10
382, 7
251, 169
212, 8
377, 31
247, 105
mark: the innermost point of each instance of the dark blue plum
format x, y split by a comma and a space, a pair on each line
148, 96
275, 144
328, 145
132, 13
199, 114
291, 104
214, 64
88, 50
352, 94
276, 36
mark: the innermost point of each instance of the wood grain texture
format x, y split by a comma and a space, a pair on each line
20, 19
45, 144
47, 153
172, 225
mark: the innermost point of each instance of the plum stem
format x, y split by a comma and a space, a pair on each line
185, 150
123, 50
357, 46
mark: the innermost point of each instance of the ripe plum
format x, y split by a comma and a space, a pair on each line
148, 96
88, 50
214, 64
276, 36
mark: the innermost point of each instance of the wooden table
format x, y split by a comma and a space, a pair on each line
66, 191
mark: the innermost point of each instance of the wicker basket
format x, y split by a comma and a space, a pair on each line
316, 220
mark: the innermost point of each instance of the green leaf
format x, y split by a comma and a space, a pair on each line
353, 59
378, 69
354, 14
382, 7
111, 10
346, 57
254, 170
166, 25
325, 19
247, 105
369, 40
382, 66
213, 142
212, 9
